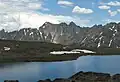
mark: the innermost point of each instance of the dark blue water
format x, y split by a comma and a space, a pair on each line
34, 71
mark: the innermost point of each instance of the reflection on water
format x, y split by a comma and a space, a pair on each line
34, 71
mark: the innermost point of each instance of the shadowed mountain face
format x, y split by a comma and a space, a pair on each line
96, 36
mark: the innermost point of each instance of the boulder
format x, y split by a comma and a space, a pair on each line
61, 80
116, 78
47, 80
11, 81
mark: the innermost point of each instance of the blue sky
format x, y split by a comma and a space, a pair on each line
33, 13
97, 17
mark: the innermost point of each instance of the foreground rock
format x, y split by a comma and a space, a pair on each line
47, 80
116, 78
83, 77
11, 81
88, 77
91, 77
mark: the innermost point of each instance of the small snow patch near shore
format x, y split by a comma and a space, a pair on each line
85, 51
75, 51
64, 52
6, 48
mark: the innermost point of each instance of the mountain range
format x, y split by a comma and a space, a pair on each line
97, 36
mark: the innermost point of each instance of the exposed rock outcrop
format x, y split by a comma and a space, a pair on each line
89, 77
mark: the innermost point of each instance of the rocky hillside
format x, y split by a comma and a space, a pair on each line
95, 36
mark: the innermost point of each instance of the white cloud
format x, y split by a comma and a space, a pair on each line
21, 5
17, 14
118, 10
80, 10
104, 7
34, 20
112, 13
114, 3
34, 6
65, 3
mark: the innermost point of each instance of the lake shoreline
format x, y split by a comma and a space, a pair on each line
47, 58
91, 65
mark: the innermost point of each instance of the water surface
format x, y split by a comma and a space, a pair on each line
34, 71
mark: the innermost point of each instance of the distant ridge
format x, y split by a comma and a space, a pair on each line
96, 36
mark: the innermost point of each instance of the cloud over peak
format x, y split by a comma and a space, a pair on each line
12, 21
80, 10
17, 14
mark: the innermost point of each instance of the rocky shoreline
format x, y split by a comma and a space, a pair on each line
84, 77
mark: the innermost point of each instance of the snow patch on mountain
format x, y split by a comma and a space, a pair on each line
31, 33
110, 42
99, 44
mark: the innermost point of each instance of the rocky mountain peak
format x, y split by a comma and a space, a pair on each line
72, 24
47, 23
63, 24
97, 26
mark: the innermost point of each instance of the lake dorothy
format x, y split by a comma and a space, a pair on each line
34, 71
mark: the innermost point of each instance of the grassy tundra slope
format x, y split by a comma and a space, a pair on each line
24, 51
11, 50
